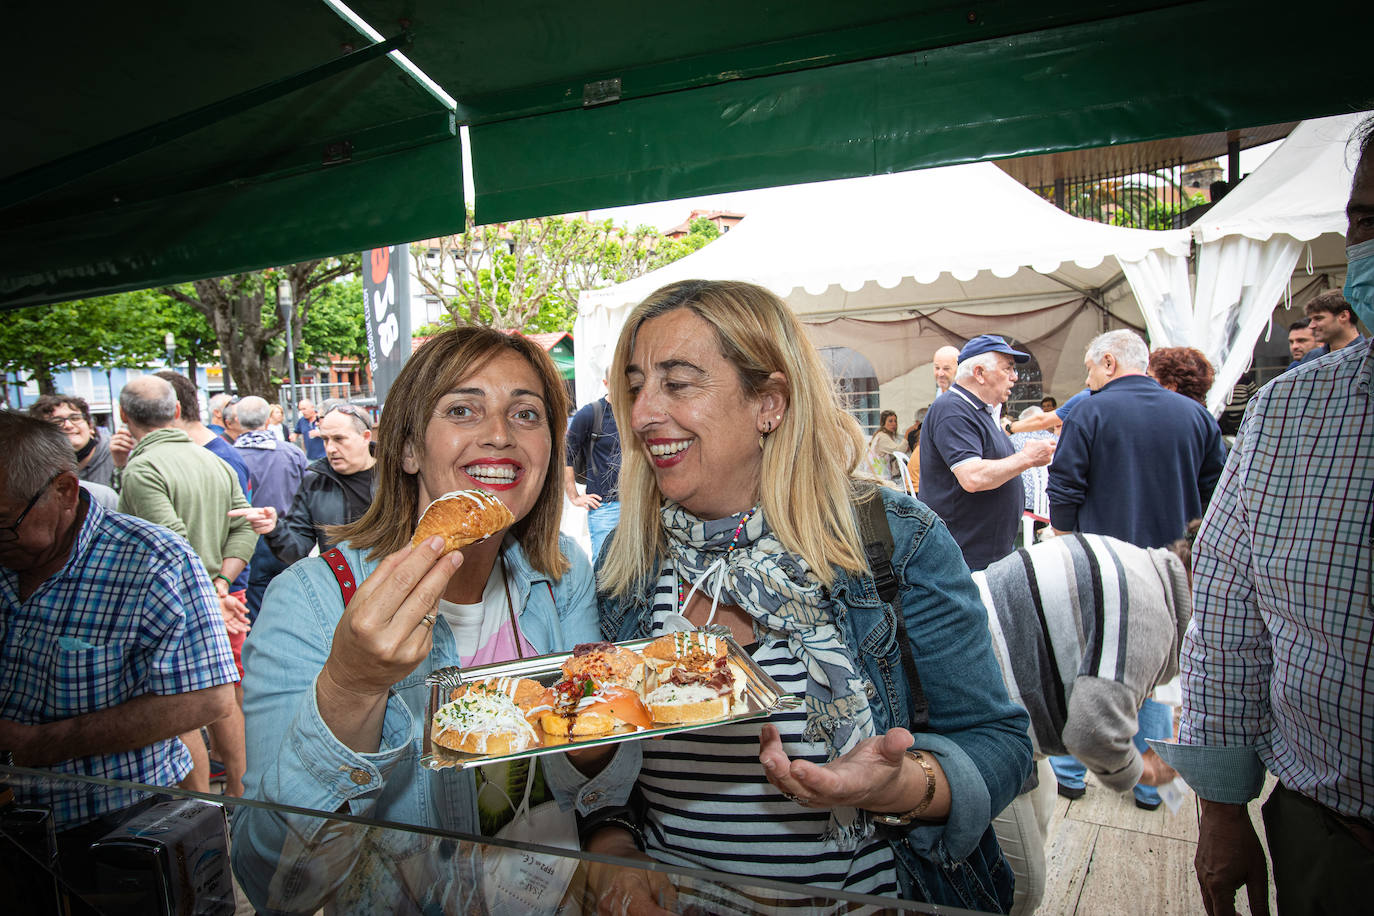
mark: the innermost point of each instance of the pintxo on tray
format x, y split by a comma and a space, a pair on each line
599, 693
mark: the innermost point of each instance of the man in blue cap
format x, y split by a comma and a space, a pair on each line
970, 474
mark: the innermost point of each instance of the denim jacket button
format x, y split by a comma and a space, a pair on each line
591, 797
360, 776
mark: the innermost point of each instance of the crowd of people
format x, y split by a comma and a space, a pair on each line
256, 583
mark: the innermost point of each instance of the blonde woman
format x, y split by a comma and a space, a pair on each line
740, 507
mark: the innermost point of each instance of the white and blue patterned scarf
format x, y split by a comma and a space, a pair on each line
256, 438
778, 591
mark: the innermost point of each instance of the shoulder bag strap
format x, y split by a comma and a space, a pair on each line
338, 565
878, 548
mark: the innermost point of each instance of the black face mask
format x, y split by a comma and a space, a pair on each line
89, 447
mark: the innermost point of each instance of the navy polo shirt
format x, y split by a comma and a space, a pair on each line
959, 428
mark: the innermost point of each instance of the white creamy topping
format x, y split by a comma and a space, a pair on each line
483, 714
671, 693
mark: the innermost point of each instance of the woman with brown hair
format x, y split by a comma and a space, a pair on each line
334, 686
1182, 369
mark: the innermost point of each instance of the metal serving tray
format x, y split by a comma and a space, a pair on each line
762, 697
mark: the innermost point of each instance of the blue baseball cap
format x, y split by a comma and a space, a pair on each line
990, 343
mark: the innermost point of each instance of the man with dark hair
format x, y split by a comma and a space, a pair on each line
1300, 340
1332, 321
276, 474
113, 646
91, 443
173, 482
1276, 666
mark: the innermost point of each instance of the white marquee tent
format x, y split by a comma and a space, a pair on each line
1250, 252
899, 265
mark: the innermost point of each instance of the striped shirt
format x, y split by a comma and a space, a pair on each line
1277, 664
1083, 627
711, 807
131, 613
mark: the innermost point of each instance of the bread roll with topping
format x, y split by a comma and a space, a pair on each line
461, 518
483, 721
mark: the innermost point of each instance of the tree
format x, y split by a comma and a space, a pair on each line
337, 323
120, 330
527, 275
242, 311
195, 343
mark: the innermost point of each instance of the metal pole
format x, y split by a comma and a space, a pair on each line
286, 303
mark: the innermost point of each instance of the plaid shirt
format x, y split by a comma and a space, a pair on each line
131, 613
1277, 662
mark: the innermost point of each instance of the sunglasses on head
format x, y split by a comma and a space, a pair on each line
350, 410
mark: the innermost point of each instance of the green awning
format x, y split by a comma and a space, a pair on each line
192, 140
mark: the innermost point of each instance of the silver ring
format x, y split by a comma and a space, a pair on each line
428, 620
792, 798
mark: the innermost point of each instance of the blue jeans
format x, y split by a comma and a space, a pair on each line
600, 523
1156, 721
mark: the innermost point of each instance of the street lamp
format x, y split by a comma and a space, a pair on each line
170, 343
286, 303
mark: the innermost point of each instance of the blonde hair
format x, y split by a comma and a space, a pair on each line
808, 461
435, 368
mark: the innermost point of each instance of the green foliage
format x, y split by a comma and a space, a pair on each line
120, 330
336, 323
528, 274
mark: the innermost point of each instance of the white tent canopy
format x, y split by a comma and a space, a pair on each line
965, 239
1249, 245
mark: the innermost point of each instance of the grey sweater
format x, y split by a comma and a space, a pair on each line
1084, 627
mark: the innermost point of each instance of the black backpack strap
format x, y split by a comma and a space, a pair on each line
878, 548
597, 432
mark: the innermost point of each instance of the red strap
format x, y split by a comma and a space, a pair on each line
338, 565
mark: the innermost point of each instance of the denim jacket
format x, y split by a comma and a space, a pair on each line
296, 863
976, 732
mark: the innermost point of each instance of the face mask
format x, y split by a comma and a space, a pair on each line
1359, 281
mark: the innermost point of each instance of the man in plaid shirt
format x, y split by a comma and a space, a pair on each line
111, 640
1277, 663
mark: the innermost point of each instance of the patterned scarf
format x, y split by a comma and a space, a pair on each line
778, 591
256, 438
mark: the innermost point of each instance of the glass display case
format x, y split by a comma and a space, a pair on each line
173, 856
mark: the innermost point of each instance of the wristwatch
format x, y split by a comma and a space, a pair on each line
901, 820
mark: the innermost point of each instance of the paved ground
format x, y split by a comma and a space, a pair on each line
1108, 858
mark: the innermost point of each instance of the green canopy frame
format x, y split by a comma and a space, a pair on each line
170, 141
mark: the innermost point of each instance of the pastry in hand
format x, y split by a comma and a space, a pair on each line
463, 517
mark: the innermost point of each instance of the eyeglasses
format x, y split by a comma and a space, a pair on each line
11, 532
352, 411
65, 419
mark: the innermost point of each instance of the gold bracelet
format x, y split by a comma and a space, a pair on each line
901, 820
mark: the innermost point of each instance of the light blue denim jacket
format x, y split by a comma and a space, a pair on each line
289, 863
979, 736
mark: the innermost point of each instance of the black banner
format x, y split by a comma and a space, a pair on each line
386, 299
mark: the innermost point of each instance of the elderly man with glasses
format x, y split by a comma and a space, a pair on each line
112, 643
90, 442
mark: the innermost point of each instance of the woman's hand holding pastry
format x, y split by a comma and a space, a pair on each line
383, 635
875, 775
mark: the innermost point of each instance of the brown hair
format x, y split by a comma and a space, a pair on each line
187, 395
1331, 302
435, 368
1183, 369
45, 405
